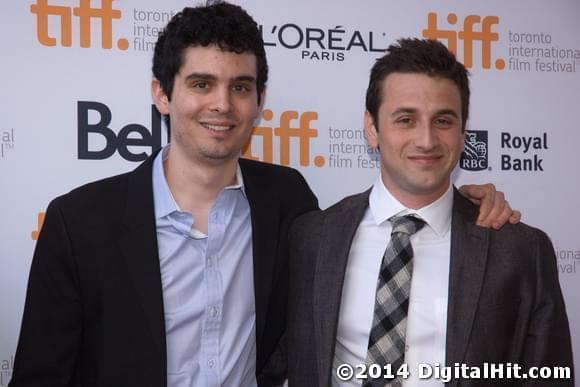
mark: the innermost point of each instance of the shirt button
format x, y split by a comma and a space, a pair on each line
213, 312
406, 348
210, 363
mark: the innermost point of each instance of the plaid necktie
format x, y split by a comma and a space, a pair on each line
387, 338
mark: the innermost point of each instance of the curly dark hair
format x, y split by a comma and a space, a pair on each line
226, 25
421, 56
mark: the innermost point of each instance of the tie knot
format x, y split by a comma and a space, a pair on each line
407, 224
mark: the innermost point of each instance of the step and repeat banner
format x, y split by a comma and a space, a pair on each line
76, 107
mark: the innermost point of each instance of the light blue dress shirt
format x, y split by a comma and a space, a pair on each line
208, 288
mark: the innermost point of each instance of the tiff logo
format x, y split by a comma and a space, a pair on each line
85, 14
284, 132
39, 222
468, 35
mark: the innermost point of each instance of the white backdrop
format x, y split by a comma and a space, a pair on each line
62, 77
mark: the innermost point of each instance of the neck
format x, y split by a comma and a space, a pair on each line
414, 200
195, 185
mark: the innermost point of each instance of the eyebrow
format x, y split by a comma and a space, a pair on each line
404, 110
212, 77
411, 110
449, 112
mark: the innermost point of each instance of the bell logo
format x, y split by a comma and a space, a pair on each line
85, 14
129, 136
468, 35
284, 132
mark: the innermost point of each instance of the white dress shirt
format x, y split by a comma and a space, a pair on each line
427, 316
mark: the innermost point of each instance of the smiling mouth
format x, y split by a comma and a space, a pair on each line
217, 127
426, 159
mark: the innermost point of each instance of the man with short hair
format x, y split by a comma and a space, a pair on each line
175, 274
399, 278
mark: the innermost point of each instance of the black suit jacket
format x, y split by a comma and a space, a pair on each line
94, 307
505, 303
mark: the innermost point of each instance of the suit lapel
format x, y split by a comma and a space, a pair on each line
469, 245
138, 241
338, 230
265, 214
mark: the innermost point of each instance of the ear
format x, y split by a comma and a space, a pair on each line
159, 98
371, 132
462, 138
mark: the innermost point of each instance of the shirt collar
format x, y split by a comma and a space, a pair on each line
239, 184
383, 205
163, 200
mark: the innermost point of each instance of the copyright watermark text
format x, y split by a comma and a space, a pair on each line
447, 373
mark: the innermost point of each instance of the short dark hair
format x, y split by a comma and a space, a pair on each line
226, 25
421, 56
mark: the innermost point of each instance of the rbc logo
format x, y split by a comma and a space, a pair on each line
474, 156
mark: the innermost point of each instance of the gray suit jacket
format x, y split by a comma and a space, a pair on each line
505, 303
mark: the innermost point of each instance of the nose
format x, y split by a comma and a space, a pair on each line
426, 137
222, 100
